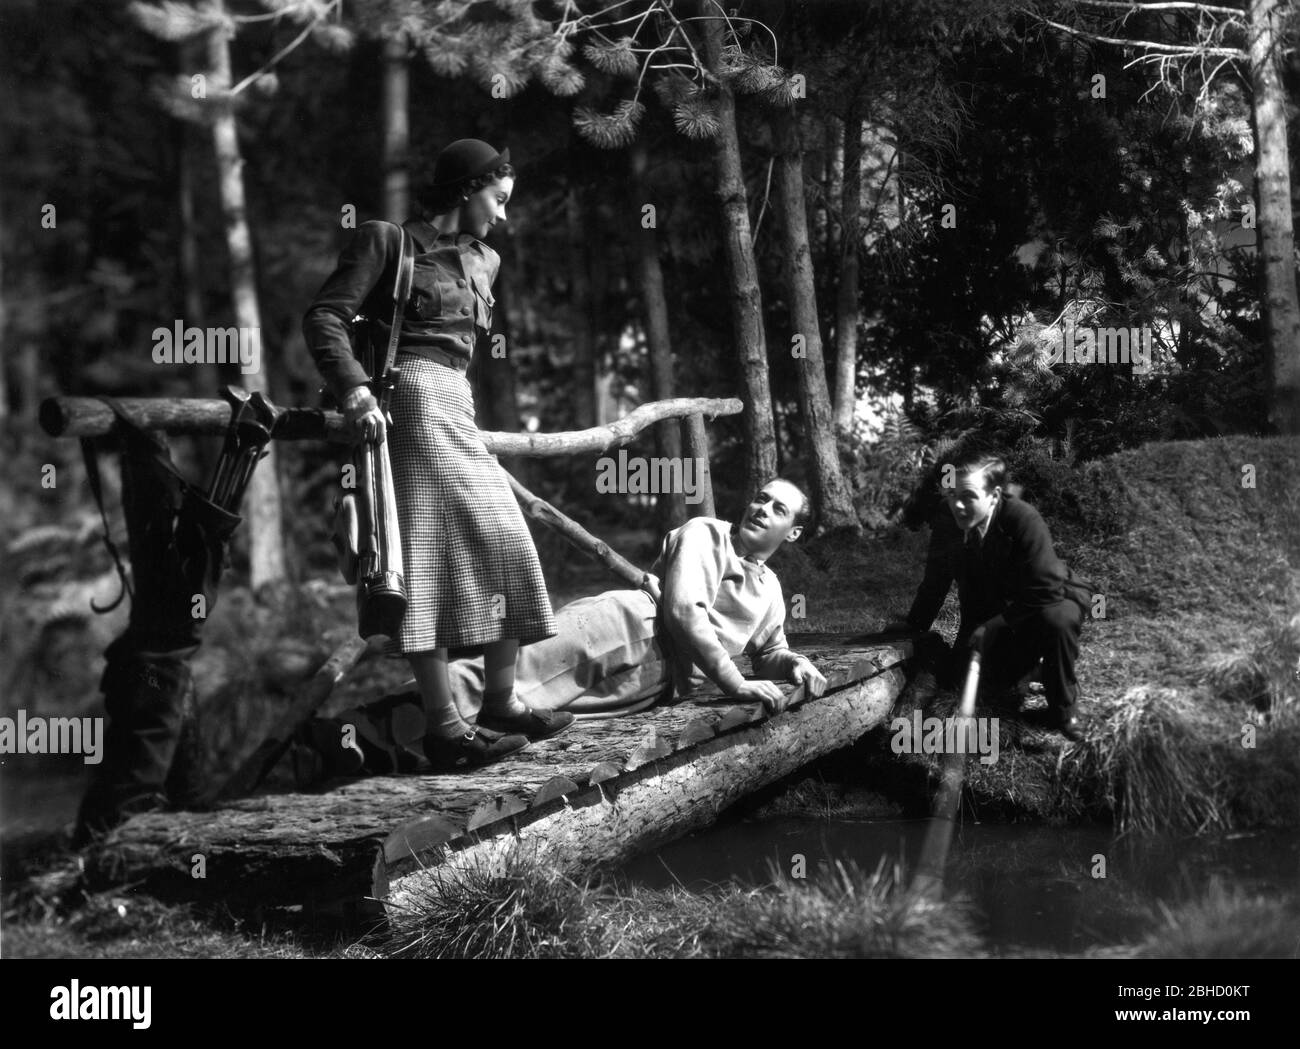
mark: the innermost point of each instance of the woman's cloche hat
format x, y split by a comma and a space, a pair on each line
465, 159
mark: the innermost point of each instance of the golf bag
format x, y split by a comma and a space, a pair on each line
178, 541
366, 532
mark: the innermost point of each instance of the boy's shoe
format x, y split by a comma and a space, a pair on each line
1006, 701
1068, 725
534, 723
479, 746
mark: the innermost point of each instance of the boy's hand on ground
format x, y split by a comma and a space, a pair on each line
805, 673
765, 692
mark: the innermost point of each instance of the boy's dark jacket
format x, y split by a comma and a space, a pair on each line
1015, 571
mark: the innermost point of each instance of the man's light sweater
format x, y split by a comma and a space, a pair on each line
717, 605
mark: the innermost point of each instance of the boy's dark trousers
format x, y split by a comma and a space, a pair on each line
1050, 634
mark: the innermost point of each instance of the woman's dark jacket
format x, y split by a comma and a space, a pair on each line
451, 299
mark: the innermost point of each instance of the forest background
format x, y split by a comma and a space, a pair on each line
870, 220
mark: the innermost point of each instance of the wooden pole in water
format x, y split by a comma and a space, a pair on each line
928, 881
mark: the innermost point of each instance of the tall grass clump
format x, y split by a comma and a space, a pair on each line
1155, 765
1225, 923
1266, 675
526, 909
521, 908
845, 912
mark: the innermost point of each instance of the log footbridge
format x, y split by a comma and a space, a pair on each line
594, 796
597, 794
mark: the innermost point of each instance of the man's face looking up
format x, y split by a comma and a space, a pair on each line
970, 499
768, 521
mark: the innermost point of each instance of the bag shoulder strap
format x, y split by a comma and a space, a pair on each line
401, 293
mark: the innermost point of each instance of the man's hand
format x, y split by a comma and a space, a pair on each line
766, 692
804, 673
362, 413
986, 635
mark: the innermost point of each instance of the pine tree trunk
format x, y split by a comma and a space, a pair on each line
742, 273
650, 277
1281, 306
262, 501
495, 375
397, 135
584, 336
207, 377
5, 349
831, 494
848, 309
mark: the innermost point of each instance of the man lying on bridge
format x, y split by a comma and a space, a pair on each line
623, 650
1019, 602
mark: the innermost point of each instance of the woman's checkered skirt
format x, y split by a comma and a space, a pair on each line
472, 574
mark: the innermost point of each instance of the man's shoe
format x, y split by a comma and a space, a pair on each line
534, 723
479, 746
336, 747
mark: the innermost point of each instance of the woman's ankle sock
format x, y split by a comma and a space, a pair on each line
503, 703
446, 723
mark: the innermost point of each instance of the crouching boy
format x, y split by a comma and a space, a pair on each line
1020, 605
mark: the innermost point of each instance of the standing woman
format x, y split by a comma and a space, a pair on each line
473, 580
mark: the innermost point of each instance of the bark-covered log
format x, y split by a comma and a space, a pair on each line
290, 848
653, 804
90, 417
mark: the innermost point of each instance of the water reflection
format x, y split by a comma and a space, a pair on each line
1051, 888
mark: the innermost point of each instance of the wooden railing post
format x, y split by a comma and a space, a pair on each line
695, 441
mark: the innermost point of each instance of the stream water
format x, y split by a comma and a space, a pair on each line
1033, 887
1057, 889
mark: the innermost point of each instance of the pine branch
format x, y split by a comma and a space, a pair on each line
1174, 50
1166, 5
609, 130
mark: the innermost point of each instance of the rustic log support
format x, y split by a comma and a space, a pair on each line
540, 510
696, 441
90, 417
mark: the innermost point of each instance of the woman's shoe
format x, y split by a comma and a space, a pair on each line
479, 746
534, 723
